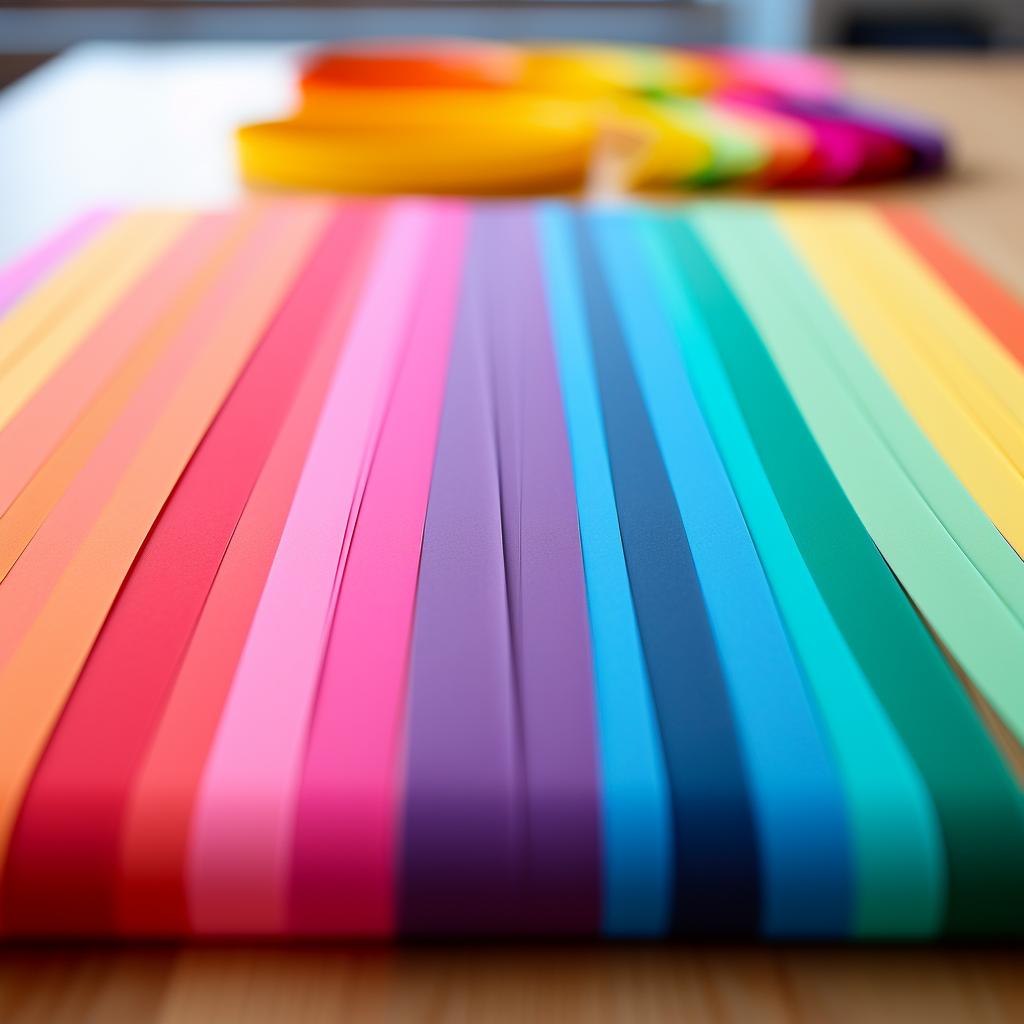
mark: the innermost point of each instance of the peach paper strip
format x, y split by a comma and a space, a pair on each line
19, 277
344, 868
133, 663
40, 424
26, 588
25, 372
36, 681
151, 896
45, 305
241, 840
20, 521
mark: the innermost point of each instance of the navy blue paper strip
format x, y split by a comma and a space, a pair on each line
718, 889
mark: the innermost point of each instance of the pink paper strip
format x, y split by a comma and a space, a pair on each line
20, 276
242, 830
152, 897
343, 879
39, 425
33, 576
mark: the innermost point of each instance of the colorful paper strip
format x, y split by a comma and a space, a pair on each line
430, 568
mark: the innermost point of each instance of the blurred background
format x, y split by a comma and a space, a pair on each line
143, 104
32, 30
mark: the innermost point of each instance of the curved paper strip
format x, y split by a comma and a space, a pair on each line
151, 892
970, 619
637, 825
36, 680
398, 140
718, 879
46, 418
246, 802
463, 819
55, 297
27, 513
898, 857
22, 275
989, 382
806, 883
544, 580
983, 831
133, 662
992, 304
890, 332
438, 64
947, 495
344, 860
24, 369
77, 509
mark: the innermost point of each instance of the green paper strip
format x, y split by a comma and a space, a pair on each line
978, 803
734, 154
838, 343
897, 847
969, 617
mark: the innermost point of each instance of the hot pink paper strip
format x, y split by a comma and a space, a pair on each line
151, 897
123, 687
239, 858
19, 277
343, 873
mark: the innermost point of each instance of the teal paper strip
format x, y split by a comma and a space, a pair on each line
899, 861
806, 871
972, 620
837, 343
978, 803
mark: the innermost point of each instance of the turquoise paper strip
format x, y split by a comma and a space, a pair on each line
806, 872
637, 840
899, 866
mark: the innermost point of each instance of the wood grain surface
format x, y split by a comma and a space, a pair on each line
980, 100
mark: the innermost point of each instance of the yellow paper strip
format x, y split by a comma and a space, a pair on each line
975, 369
884, 325
36, 681
147, 234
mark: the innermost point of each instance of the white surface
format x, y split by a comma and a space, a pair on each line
128, 125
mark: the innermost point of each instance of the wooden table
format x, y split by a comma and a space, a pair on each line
981, 101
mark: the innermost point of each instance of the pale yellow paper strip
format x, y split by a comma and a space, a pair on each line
146, 236
982, 464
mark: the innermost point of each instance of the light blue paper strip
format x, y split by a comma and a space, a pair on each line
799, 802
637, 825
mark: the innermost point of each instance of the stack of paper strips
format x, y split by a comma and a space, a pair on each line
466, 117
421, 567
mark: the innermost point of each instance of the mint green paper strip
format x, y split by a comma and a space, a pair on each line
979, 804
969, 617
898, 855
951, 502
732, 153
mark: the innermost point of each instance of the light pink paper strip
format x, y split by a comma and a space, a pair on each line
239, 857
344, 879
20, 276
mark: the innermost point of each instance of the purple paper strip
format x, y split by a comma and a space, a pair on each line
546, 589
463, 837
20, 276
925, 142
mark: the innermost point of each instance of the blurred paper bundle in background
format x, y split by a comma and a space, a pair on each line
469, 117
